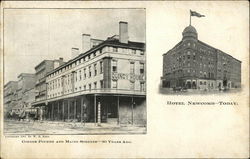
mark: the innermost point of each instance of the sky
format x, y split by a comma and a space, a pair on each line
32, 35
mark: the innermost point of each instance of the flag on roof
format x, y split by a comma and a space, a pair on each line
194, 13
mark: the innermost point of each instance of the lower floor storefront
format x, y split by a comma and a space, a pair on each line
200, 84
98, 109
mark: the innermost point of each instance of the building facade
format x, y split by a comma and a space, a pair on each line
105, 83
26, 82
193, 64
42, 69
10, 97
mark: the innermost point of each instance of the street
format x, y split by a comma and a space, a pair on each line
67, 128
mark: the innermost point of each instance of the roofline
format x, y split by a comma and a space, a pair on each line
25, 74
205, 45
218, 50
123, 22
96, 39
173, 48
41, 63
9, 83
84, 54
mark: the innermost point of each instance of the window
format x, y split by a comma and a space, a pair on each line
76, 75
141, 68
142, 86
101, 67
200, 82
132, 67
132, 85
114, 84
84, 87
142, 52
95, 70
89, 86
114, 66
80, 75
95, 85
89, 71
84, 72
101, 84
133, 51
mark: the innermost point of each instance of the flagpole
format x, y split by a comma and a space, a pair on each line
189, 18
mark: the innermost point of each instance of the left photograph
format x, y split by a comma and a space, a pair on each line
74, 71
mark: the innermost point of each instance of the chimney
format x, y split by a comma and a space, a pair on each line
74, 52
85, 42
123, 32
60, 61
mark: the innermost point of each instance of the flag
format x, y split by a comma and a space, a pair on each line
194, 13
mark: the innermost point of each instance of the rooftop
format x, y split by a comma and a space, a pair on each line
111, 41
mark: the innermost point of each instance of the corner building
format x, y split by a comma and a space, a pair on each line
193, 64
105, 84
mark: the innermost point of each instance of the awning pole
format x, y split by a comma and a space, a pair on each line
75, 109
95, 108
81, 107
132, 110
52, 113
58, 112
68, 109
63, 111
118, 107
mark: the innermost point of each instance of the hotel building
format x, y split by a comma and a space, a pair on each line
104, 83
193, 64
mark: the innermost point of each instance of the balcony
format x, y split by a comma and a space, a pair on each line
100, 91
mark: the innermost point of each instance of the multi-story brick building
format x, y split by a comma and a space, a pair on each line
193, 64
42, 69
26, 82
10, 96
105, 83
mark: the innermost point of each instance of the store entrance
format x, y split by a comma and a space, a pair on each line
109, 109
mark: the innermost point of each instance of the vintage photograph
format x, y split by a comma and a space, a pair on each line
124, 79
193, 66
74, 71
